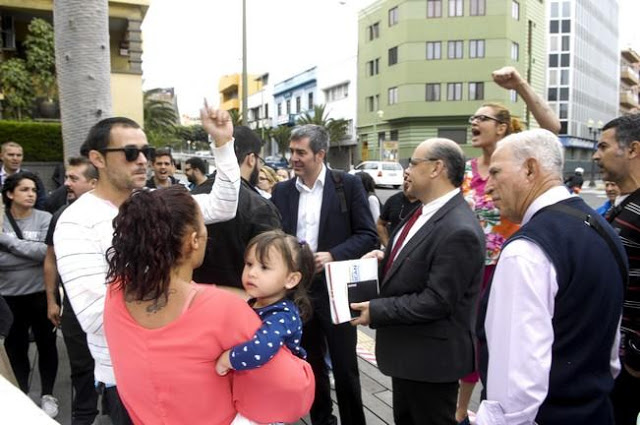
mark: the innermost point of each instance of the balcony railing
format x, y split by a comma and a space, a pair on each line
629, 75
629, 99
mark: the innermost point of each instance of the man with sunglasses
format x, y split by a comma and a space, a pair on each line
118, 148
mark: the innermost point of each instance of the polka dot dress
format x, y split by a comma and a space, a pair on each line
281, 326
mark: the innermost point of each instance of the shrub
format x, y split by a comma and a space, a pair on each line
39, 141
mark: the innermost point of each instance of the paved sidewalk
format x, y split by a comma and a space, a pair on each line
376, 388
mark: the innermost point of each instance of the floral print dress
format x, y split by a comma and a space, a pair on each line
496, 229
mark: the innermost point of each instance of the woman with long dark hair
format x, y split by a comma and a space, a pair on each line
22, 252
165, 332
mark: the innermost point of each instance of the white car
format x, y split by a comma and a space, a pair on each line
383, 173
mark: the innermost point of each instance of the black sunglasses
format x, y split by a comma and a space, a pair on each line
483, 118
131, 153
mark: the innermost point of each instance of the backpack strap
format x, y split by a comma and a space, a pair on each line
590, 221
13, 223
337, 180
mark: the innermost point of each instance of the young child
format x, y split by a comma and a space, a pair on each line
277, 271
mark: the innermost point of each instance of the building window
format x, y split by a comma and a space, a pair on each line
476, 91
433, 92
434, 8
288, 106
564, 60
515, 10
337, 92
373, 67
477, 7
266, 110
374, 31
454, 49
434, 50
393, 135
554, 27
454, 91
310, 100
565, 43
515, 51
552, 95
476, 49
279, 108
553, 61
372, 103
513, 95
393, 95
393, 16
455, 7
298, 104
393, 56
566, 26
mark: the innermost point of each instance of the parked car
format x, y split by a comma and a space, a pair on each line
276, 162
383, 173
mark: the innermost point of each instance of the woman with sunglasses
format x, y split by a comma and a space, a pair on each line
165, 332
22, 252
491, 123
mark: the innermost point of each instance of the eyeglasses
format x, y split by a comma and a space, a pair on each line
131, 153
415, 161
483, 118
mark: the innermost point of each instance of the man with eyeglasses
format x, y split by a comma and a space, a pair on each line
224, 256
118, 148
430, 276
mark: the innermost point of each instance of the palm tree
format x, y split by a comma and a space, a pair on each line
83, 65
281, 135
236, 117
158, 114
337, 128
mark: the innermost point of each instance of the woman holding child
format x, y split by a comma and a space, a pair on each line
166, 333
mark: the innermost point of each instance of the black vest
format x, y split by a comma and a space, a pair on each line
585, 318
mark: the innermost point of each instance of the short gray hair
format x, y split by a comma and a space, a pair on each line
318, 136
540, 144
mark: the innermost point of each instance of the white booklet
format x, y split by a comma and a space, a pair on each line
350, 281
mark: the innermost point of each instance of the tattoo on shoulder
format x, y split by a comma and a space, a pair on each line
157, 303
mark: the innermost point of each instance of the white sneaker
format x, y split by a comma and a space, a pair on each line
49, 404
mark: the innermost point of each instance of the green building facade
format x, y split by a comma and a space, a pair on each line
424, 66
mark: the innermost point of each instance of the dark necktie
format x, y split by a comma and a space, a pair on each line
403, 235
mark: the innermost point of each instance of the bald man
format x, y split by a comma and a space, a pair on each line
429, 282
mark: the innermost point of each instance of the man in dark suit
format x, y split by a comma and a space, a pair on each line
429, 283
329, 210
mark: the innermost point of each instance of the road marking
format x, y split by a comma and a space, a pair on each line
366, 348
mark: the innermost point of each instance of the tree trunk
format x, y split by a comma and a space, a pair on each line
83, 64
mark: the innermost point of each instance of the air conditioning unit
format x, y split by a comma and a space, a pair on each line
7, 32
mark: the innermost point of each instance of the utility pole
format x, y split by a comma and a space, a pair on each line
245, 87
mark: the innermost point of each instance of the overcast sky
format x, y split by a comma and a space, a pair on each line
190, 44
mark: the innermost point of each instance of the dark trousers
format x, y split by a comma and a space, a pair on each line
318, 335
84, 406
30, 311
424, 403
112, 405
625, 398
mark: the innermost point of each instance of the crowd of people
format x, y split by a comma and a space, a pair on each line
206, 301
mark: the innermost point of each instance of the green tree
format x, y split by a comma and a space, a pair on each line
160, 119
281, 135
41, 57
15, 83
236, 117
337, 128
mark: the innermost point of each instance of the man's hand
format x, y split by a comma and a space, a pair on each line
322, 258
507, 78
217, 123
376, 253
53, 313
364, 318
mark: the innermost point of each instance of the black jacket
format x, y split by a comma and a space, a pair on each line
224, 257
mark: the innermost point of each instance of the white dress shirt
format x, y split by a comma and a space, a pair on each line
309, 207
519, 328
428, 211
84, 232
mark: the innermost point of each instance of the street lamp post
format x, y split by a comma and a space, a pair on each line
380, 115
594, 131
